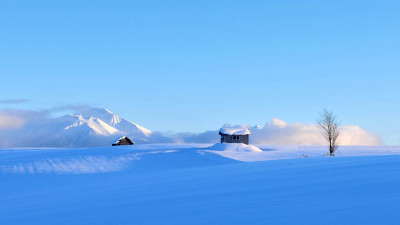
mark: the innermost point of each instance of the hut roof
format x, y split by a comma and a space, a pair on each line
124, 138
235, 131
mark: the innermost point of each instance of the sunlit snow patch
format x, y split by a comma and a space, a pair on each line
237, 151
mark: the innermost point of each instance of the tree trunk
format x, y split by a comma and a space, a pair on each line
332, 151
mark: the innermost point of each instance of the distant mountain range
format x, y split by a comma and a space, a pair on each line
92, 127
100, 126
103, 122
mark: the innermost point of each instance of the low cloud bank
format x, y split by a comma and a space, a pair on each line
279, 132
28, 128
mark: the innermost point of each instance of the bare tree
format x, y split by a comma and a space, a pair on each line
330, 126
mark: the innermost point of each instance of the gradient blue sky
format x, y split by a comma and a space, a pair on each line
195, 65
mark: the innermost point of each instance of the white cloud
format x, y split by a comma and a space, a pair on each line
10, 121
278, 132
278, 123
14, 101
355, 135
16, 118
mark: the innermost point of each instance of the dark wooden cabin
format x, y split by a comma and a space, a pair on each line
234, 135
123, 141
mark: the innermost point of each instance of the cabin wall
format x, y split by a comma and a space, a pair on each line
225, 138
124, 142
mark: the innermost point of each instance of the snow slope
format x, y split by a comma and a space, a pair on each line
200, 184
91, 126
116, 121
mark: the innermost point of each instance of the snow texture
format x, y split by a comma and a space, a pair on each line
200, 184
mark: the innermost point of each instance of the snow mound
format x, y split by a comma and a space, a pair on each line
237, 151
234, 147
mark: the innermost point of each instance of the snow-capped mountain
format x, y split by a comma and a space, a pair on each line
115, 121
89, 128
99, 126
91, 125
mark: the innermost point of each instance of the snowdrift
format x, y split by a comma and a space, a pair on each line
240, 152
234, 147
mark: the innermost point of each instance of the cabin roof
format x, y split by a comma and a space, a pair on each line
122, 138
235, 131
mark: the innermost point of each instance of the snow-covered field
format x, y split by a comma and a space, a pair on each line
200, 184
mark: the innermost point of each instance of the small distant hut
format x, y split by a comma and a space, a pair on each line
234, 135
123, 141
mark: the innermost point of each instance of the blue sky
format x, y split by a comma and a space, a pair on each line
195, 65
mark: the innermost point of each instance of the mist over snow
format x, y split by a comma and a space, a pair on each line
89, 127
